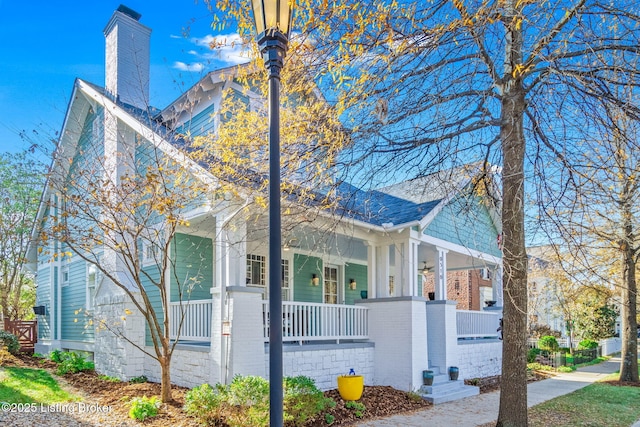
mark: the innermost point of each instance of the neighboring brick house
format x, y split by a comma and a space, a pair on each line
469, 288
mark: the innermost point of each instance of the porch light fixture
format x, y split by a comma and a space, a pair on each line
273, 22
315, 280
425, 269
352, 284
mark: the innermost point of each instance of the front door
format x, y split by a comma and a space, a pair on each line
330, 285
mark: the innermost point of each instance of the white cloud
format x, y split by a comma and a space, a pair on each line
228, 48
195, 67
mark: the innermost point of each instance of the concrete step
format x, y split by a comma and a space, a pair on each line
447, 392
441, 387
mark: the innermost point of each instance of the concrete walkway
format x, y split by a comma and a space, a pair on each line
482, 409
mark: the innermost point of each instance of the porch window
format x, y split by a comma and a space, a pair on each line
256, 275
486, 273
330, 285
285, 280
255, 270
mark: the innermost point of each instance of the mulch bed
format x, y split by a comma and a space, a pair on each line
379, 401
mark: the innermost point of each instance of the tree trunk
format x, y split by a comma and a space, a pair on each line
165, 382
513, 387
629, 332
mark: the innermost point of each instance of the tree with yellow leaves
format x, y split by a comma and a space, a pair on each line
424, 83
121, 203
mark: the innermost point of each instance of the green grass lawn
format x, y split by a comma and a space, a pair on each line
597, 405
25, 385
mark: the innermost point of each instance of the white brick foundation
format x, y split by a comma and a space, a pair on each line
479, 359
115, 356
323, 363
190, 366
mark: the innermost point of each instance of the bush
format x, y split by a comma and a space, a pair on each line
139, 380
205, 404
245, 402
56, 356
144, 407
548, 343
73, 363
532, 354
587, 345
10, 341
565, 350
302, 400
249, 398
358, 408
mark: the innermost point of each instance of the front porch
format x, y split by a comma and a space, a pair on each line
315, 322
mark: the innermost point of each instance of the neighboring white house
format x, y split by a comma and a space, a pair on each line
544, 298
355, 303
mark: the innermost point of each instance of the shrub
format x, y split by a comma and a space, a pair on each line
587, 345
532, 354
144, 407
565, 350
358, 408
302, 400
73, 363
548, 343
245, 402
249, 398
10, 341
56, 356
205, 403
139, 380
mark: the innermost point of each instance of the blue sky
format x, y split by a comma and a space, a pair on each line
47, 44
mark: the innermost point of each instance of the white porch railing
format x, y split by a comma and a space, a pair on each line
197, 320
477, 324
307, 321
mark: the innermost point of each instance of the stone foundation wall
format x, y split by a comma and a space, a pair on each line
113, 355
190, 366
324, 363
479, 358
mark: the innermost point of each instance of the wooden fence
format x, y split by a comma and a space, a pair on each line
25, 330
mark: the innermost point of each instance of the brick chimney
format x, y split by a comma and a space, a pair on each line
127, 58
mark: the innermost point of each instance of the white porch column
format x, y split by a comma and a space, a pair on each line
407, 266
441, 274
400, 273
413, 269
496, 285
372, 267
382, 281
219, 294
235, 236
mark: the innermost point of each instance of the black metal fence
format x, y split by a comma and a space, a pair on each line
566, 359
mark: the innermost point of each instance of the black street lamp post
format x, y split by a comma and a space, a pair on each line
273, 21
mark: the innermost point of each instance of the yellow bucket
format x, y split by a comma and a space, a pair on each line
350, 387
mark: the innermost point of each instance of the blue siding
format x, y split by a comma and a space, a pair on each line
193, 257
303, 267
200, 124
358, 272
43, 297
75, 323
466, 221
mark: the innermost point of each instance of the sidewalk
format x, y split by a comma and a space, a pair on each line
482, 409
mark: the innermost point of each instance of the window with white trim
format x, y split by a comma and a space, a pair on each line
286, 295
255, 270
149, 254
64, 273
93, 278
486, 273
